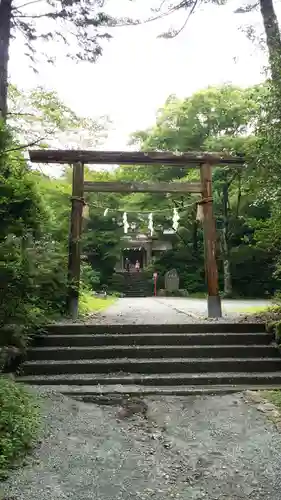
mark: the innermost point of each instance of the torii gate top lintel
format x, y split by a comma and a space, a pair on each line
189, 159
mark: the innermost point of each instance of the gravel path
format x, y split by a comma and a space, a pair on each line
213, 448
190, 448
156, 310
145, 310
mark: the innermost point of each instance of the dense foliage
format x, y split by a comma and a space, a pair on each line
19, 423
236, 120
32, 265
38, 116
34, 228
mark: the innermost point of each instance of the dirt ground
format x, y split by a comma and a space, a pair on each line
213, 448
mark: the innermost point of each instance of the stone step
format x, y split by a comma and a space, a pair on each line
152, 365
135, 277
157, 380
93, 361
154, 339
135, 280
117, 394
139, 283
136, 285
172, 351
191, 328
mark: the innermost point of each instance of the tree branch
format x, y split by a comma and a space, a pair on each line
20, 114
26, 4
170, 11
177, 32
29, 145
50, 15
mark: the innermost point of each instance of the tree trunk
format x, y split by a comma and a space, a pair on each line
227, 278
5, 33
273, 39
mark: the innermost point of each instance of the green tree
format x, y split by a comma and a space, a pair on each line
101, 232
56, 193
32, 266
39, 116
214, 119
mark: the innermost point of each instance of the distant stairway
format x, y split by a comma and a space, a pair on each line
136, 285
90, 361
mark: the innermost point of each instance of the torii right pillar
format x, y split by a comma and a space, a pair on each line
209, 228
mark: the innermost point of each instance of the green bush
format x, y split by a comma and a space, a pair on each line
33, 287
33, 264
22, 209
253, 272
19, 423
89, 277
190, 269
274, 326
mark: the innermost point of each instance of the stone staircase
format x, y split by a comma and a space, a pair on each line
137, 285
93, 362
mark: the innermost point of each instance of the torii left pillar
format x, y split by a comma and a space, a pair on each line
209, 227
74, 255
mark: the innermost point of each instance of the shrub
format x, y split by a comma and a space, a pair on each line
19, 422
33, 266
33, 287
190, 269
89, 277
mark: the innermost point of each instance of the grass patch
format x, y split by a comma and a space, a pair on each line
19, 423
273, 396
259, 310
197, 295
254, 309
88, 303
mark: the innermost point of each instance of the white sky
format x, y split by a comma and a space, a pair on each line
138, 71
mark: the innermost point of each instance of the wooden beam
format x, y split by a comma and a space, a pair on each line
188, 160
74, 255
142, 187
209, 228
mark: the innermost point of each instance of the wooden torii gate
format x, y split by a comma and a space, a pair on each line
78, 158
